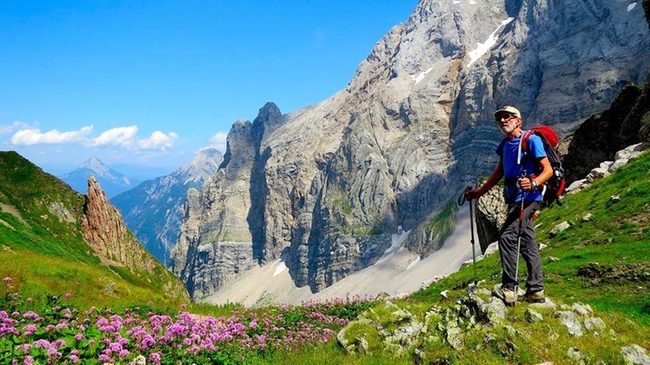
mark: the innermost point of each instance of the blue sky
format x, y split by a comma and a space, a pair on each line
152, 82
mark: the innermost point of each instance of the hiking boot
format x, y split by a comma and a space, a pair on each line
505, 294
533, 297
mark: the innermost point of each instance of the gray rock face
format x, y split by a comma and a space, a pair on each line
635, 355
600, 137
215, 243
491, 214
324, 187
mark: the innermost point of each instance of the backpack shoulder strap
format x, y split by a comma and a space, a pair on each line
523, 144
524, 140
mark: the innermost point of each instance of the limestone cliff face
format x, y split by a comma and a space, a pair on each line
324, 187
215, 243
102, 227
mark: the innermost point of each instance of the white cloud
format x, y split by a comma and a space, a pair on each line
158, 140
4, 129
120, 136
34, 136
218, 141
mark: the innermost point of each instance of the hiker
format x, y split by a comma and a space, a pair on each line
513, 164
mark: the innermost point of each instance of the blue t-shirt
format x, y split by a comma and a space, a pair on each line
508, 150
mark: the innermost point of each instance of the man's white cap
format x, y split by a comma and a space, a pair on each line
509, 109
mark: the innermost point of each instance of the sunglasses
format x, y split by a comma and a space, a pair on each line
504, 116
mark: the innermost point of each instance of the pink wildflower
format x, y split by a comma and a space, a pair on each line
104, 358
42, 344
124, 354
154, 357
115, 347
29, 329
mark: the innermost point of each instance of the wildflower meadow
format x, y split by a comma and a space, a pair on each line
55, 332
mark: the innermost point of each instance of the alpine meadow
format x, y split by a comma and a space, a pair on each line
340, 233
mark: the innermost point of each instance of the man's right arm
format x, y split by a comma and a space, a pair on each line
497, 174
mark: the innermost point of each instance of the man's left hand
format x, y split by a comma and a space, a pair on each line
525, 184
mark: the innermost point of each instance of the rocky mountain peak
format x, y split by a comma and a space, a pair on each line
113, 182
268, 114
96, 165
201, 167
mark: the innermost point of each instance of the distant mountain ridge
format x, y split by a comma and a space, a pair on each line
153, 209
112, 181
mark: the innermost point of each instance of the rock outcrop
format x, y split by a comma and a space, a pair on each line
324, 187
102, 227
603, 134
491, 214
644, 123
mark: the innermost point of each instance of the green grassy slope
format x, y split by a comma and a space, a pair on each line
42, 249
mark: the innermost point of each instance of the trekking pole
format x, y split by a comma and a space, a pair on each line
521, 220
461, 201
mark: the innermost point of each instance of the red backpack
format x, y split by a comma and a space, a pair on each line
554, 187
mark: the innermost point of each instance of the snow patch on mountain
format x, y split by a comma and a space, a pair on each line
483, 48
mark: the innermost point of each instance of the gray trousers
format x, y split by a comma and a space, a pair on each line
529, 249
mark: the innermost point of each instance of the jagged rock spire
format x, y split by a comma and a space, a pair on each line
104, 230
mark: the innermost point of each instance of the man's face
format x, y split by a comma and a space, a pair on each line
507, 122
